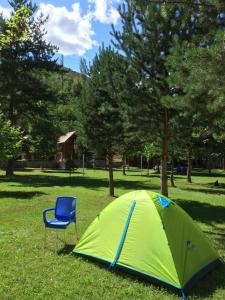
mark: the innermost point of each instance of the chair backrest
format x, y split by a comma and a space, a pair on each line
63, 208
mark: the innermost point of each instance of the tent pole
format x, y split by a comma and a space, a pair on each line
184, 297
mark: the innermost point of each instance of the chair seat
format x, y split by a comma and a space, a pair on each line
55, 223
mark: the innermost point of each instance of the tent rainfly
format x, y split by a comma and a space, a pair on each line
148, 234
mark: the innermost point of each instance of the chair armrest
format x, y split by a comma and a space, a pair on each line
72, 215
45, 212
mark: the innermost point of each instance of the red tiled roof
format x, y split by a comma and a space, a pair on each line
64, 138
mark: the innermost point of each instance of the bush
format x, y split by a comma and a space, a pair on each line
70, 165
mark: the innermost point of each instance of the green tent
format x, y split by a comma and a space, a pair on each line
145, 232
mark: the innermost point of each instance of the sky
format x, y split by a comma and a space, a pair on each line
77, 27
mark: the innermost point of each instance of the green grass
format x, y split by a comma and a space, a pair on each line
29, 272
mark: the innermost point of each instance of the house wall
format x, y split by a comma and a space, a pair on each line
66, 150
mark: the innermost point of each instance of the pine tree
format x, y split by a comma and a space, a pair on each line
100, 109
149, 32
146, 38
197, 76
11, 139
24, 57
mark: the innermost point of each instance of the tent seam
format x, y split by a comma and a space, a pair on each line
168, 241
123, 237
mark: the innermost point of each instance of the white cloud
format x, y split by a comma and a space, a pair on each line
5, 12
68, 30
104, 10
71, 30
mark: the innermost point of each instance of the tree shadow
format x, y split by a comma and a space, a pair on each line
61, 171
209, 283
20, 195
24, 170
135, 185
205, 173
211, 190
144, 175
214, 216
203, 212
50, 181
218, 237
75, 181
212, 185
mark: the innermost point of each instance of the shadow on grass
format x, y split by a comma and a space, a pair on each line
210, 190
211, 215
66, 250
144, 175
61, 171
205, 173
203, 288
211, 185
136, 185
20, 195
209, 283
24, 170
75, 181
203, 212
128, 274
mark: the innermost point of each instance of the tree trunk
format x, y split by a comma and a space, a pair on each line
163, 170
223, 162
9, 168
124, 164
189, 168
210, 166
141, 164
10, 162
83, 162
111, 184
164, 157
158, 168
172, 174
148, 167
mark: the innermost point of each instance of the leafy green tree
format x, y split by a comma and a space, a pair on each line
66, 110
100, 110
11, 140
17, 27
2, 23
25, 57
198, 73
150, 150
197, 76
43, 136
149, 33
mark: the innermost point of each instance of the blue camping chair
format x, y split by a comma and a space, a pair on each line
65, 213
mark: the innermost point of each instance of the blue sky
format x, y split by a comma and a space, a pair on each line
77, 27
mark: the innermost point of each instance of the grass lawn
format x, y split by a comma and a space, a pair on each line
29, 272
